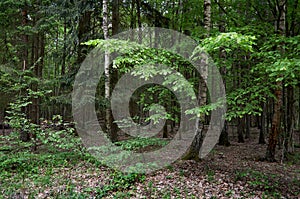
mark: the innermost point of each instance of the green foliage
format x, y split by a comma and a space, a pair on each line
206, 109
124, 181
235, 47
210, 175
144, 63
139, 143
233, 44
114, 45
258, 180
293, 159
19, 167
27, 163
279, 65
20, 122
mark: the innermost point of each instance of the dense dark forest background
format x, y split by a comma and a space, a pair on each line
255, 44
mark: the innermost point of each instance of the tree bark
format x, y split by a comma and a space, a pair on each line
83, 30
64, 55
276, 121
248, 121
275, 130
24, 135
289, 138
207, 15
261, 139
108, 115
240, 129
193, 152
138, 12
223, 140
115, 17
132, 15
114, 75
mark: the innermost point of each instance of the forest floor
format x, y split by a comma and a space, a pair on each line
227, 172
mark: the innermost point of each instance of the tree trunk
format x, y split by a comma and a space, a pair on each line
207, 16
269, 114
83, 30
114, 75
115, 17
138, 12
261, 139
275, 130
240, 129
223, 140
289, 138
248, 124
293, 19
193, 152
132, 16
108, 114
64, 55
24, 135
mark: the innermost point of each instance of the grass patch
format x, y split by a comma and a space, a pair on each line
22, 173
293, 158
260, 181
142, 144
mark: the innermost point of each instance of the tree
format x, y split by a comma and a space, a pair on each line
108, 115
24, 135
275, 131
115, 17
194, 149
223, 140
84, 27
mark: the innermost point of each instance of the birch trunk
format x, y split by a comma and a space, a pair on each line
193, 152
108, 115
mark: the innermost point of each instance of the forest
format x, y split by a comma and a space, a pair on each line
150, 99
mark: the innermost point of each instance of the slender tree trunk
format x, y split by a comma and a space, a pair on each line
108, 115
64, 55
240, 129
114, 75
223, 140
194, 149
63, 65
241, 121
115, 16
207, 16
248, 121
293, 18
138, 12
275, 131
289, 141
248, 116
132, 15
106, 64
165, 130
261, 139
25, 39
24, 135
268, 115
83, 31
